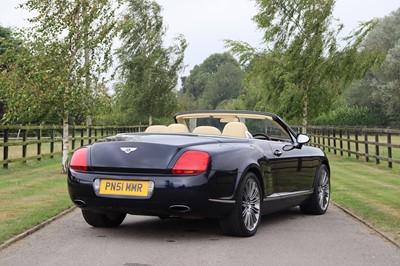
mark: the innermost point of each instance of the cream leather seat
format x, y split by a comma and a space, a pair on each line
236, 129
157, 129
178, 128
207, 130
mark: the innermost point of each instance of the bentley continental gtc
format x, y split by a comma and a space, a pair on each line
234, 166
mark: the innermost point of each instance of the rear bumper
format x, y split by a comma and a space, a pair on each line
184, 196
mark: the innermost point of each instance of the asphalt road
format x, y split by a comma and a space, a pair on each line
286, 238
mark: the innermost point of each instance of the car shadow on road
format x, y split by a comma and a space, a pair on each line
175, 229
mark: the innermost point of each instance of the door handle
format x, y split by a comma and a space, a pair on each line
277, 153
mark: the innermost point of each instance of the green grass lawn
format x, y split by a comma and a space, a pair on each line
30, 194
370, 191
33, 192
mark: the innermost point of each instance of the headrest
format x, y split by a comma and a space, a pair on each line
178, 128
236, 129
157, 129
207, 130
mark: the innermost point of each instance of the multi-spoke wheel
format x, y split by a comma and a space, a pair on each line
319, 201
246, 215
251, 204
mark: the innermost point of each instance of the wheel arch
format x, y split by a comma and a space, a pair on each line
326, 162
323, 161
256, 170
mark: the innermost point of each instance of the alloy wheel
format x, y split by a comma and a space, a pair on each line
251, 204
324, 190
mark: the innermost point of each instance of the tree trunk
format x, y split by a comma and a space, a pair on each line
65, 149
87, 78
305, 114
150, 120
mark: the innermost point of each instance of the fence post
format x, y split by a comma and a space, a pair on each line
334, 141
52, 142
5, 148
348, 143
82, 141
24, 146
366, 145
341, 142
377, 161
389, 142
95, 134
357, 149
90, 134
39, 145
323, 139
329, 140
73, 138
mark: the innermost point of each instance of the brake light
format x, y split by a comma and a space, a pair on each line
191, 163
78, 160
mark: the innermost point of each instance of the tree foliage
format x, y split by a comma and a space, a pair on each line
217, 79
303, 69
5, 36
349, 116
68, 43
380, 89
224, 85
6, 40
149, 71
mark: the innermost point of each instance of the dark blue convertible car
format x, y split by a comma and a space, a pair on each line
234, 166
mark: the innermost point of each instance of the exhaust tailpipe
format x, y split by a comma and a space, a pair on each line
80, 203
179, 208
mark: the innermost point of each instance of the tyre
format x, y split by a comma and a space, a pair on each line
246, 215
319, 201
103, 219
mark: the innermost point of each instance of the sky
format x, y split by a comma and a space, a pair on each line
207, 23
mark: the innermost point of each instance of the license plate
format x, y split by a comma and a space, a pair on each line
124, 188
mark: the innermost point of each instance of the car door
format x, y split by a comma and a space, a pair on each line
293, 169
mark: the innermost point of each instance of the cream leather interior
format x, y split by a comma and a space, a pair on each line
178, 128
236, 129
207, 130
157, 129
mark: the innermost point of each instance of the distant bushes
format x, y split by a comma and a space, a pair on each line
349, 116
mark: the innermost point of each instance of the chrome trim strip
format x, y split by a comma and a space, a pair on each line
222, 201
295, 194
286, 195
272, 197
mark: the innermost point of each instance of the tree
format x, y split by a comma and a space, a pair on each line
195, 83
303, 63
68, 43
223, 85
218, 78
5, 35
8, 41
149, 71
380, 89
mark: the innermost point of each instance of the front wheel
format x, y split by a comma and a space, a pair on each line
103, 219
246, 215
319, 201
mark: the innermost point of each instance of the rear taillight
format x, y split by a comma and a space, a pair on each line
191, 163
79, 160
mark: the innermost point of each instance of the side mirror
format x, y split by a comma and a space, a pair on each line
302, 139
